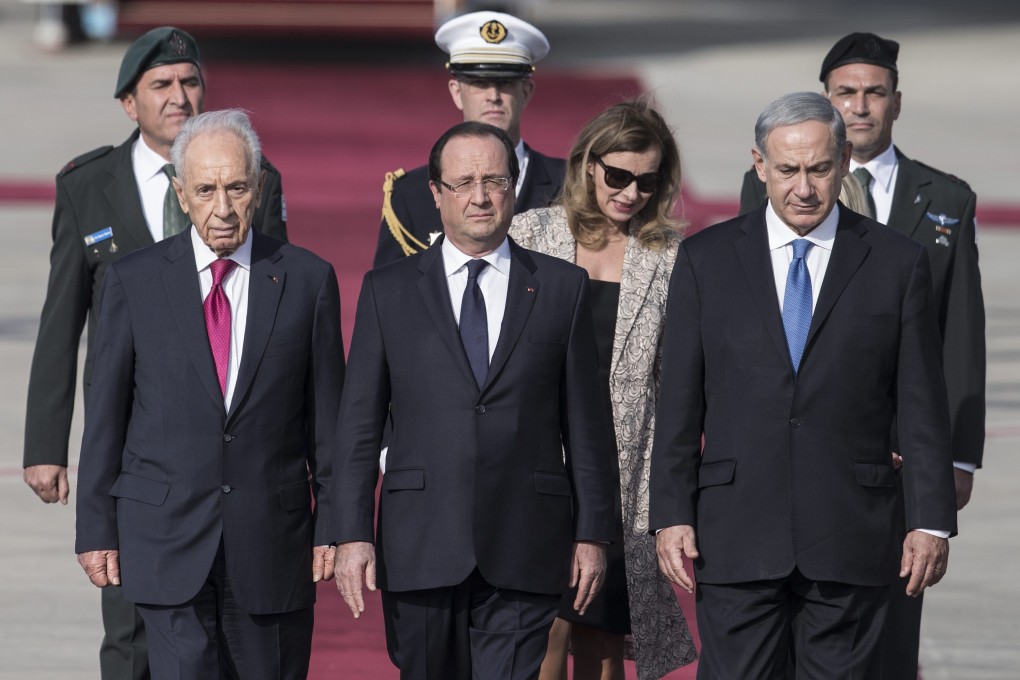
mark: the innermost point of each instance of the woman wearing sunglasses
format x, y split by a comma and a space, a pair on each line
615, 219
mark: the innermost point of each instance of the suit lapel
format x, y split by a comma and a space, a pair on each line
522, 290
848, 251
435, 295
639, 270
266, 282
122, 193
180, 280
910, 200
753, 251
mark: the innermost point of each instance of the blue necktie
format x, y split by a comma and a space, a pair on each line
797, 303
474, 325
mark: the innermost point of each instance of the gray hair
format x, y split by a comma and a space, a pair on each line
796, 108
234, 121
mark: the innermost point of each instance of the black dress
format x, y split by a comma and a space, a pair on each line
610, 610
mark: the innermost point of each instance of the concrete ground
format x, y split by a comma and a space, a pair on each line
713, 66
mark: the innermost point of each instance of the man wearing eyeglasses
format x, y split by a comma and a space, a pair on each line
492, 57
497, 490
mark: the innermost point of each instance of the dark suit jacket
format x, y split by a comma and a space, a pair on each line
166, 471
922, 199
504, 478
415, 207
94, 191
796, 472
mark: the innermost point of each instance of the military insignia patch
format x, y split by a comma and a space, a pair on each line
942, 219
98, 236
177, 45
493, 32
942, 240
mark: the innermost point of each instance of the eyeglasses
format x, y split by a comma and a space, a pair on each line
618, 178
497, 185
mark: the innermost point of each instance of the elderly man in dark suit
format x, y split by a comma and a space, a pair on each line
492, 57
795, 334
936, 210
110, 202
497, 486
218, 372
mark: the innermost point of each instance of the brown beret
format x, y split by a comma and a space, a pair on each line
163, 45
861, 48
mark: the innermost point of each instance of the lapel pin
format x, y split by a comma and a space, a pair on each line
113, 247
275, 279
917, 199
530, 289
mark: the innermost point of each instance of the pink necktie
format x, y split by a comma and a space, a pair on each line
217, 319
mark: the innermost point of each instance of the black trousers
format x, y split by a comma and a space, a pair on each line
211, 637
789, 628
123, 654
469, 631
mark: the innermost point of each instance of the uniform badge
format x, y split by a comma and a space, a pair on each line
113, 247
942, 219
177, 45
493, 32
98, 236
942, 240
434, 236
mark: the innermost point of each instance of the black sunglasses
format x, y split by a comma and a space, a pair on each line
618, 178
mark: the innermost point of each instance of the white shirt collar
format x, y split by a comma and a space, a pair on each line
882, 167
147, 163
781, 235
522, 154
454, 259
204, 257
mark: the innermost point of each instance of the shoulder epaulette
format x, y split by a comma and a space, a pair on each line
83, 159
404, 238
952, 178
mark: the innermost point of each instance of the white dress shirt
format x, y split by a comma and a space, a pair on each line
522, 165
781, 239
152, 184
235, 285
883, 169
494, 281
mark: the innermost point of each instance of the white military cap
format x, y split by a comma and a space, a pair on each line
491, 45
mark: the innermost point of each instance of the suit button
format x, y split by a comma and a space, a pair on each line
227, 437
226, 488
480, 409
794, 422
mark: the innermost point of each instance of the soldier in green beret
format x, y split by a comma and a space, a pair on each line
112, 201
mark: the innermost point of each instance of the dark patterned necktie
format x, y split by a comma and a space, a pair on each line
474, 325
174, 219
864, 179
797, 302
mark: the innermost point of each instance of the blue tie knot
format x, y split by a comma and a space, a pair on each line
475, 268
800, 248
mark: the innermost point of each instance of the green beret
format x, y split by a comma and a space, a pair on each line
163, 45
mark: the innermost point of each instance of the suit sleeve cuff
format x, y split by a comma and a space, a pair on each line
936, 532
966, 467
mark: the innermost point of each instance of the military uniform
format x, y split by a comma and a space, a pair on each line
410, 217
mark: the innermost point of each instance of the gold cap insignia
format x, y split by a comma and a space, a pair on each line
493, 32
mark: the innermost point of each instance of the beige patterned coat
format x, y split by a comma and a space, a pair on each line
661, 639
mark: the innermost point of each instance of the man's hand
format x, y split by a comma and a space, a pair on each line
323, 557
354, 561
48, 481
587, 572
102, 567
925, 558
671, 544
897, 461
964, 487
